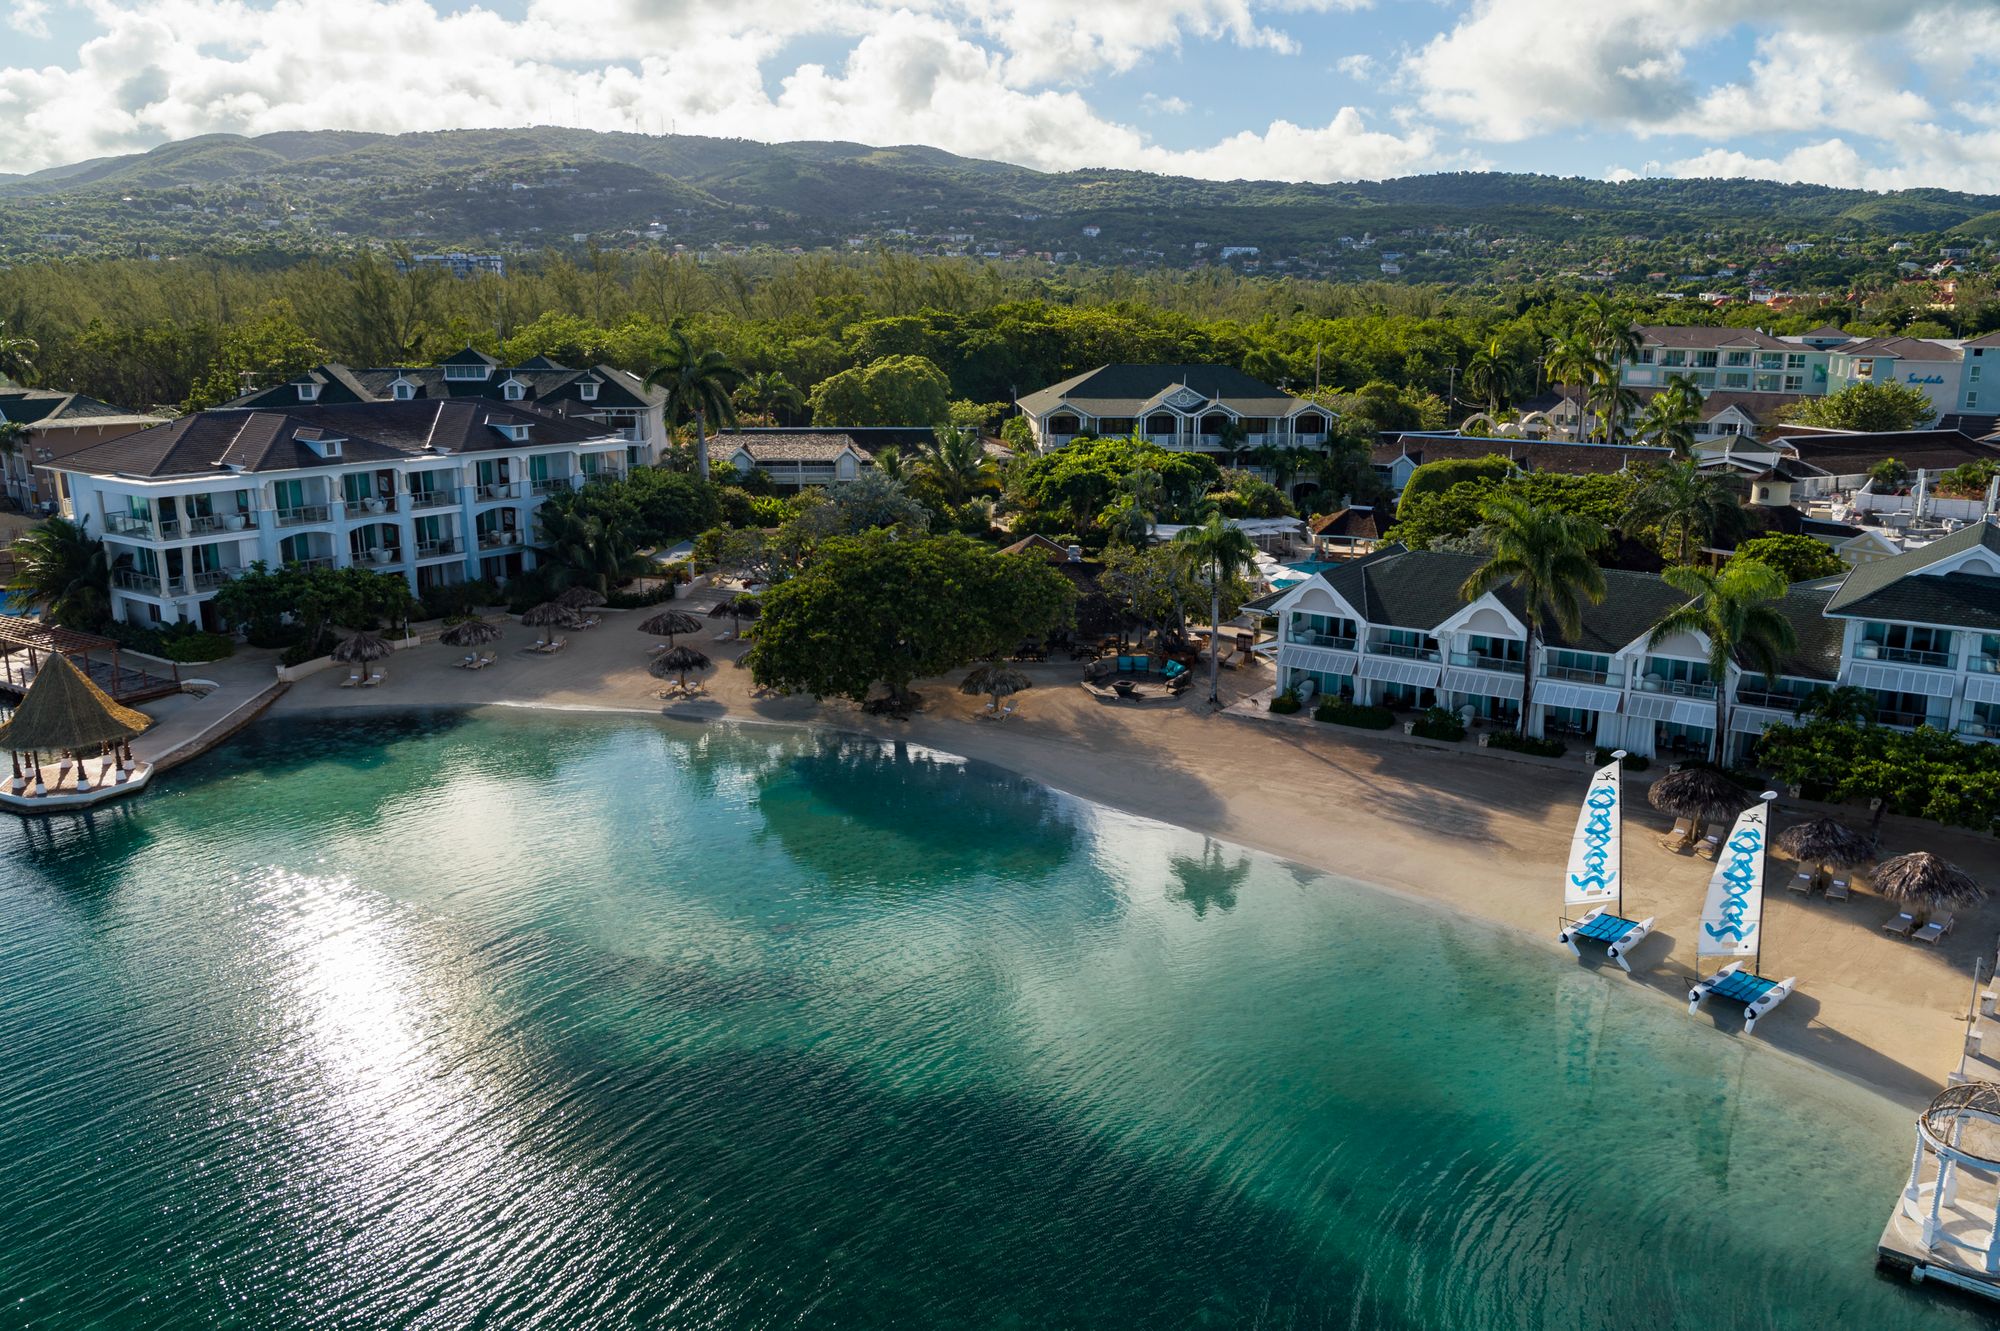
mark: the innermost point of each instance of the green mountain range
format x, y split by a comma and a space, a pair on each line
522, 189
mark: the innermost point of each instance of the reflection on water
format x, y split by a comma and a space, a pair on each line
572, 1022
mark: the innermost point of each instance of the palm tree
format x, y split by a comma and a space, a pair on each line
1671, 415
1692, 507
1573, 362
1148, 494
587, 551
17, 355
1545, 556
697, 381
889, 464
11, 435
1613, 404
768, 393
1846, 704
62, 570
1231, 438
1222, 549
1489, 375
955, 462
1611, 334
1735, 610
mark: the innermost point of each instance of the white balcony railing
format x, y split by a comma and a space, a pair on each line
302, 515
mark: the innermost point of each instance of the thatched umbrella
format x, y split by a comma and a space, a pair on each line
470, 633
63, 711
738, 608
997, 680
1699, 794
1923, 879
1826, 841
678, 661
580, 598
549, 615
669, 624
361, 649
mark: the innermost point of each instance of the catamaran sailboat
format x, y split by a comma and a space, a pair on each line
1732, 921
1596, 873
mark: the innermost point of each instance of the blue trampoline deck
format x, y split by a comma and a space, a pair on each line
1606, 928
1743, 987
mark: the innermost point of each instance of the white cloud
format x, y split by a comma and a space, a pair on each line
1966, 160
1171, 106
30, 18
1355, 66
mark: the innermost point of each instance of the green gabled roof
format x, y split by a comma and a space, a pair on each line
1899, 588
1419, 589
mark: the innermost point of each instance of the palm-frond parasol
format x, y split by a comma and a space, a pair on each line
1699, 794
580, 598
669, 624
362, 648
996, 680
471, 633
738, 608
548, 615
1825, 840
63, 711
678, 661
1923, 879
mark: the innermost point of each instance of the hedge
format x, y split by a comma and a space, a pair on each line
1339, 712
1540, 748
1437, 723
1285, 704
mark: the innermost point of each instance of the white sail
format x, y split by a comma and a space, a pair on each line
1595, 856
1732, 919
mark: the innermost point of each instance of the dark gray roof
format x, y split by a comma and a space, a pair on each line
1816, 652
1899, 589
1850, 452
1703, 338
1552, 455
255, 441
1128, 390
1420, 589
47, 408
1902, 348
545, 384
806, 446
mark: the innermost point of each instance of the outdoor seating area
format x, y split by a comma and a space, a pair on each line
478, 660
1137, 678
548, 647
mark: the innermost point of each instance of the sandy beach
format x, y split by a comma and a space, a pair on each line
1480, 834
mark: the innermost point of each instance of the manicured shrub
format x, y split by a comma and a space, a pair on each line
302, 651
189, 645
1540, 748
639, 597
1437, 723
1339, 712
1285, 704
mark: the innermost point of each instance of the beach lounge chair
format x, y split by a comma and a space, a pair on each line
1677, 840
376, 678
1901, 926
1757, 994
1934, 930
1802, 883
1836, 890
353, 678
1709, 846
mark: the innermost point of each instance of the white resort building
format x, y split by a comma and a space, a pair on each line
439, 492
1920, 632
1193, 408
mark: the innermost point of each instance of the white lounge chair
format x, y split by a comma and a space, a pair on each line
353, 678
1802, 883
1837, 890
1902, 926
374, 679
1934, 930
1710, 846
1677, 840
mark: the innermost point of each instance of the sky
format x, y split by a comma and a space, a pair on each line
1838, 92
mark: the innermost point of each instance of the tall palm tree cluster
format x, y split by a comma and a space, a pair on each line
700, 384
1585, 362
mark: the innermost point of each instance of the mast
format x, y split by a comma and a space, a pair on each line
1618, 761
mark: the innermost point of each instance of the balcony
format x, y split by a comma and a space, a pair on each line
1324, 640
549, 485
1911, 656
1677, 688
380, 556
302, 515
1482, 661
132, 580
125, 524
214, 524
430, 498
604, 474
1774, 702
1406, 651
208, 579
494, 540
372, 507
1575, 674
503, 490
1983, 665
1908, 720
1973, 728
437, 549
309, 564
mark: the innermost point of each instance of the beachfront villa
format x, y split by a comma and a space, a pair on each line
49, 425
1191, 408
1396, 459
436, 491
1920, 632
795, 457
596, 394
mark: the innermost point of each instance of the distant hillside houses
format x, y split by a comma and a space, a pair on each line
1194, 408
598, 393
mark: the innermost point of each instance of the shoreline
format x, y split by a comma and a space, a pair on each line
1482, 838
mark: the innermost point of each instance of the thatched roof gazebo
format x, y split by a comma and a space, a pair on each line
678, 661
996, 680
1923, 879
1827, 841
63, 712
670, 624
470, 633
1699, 794
580, 598
361, 649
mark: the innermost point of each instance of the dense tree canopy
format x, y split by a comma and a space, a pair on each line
1923, 774
893, 390
1796, 558
1073, 487
1866, 406
879, 608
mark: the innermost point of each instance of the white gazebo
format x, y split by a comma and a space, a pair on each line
1947, 1214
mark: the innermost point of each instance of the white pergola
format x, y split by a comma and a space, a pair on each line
1952, 1202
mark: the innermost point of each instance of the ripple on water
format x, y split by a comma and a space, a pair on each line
501, 1021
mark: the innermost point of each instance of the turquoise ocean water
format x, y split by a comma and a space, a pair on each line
552, 1022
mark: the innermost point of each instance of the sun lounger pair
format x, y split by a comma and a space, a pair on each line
373, 680
353, 679
1709, 846
1757, 994
1902, 926
1905, 926
480, 662
552, 645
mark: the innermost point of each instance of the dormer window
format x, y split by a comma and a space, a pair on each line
469, 373
403, 389
308, 392
587, 390
513, 390
518, 433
